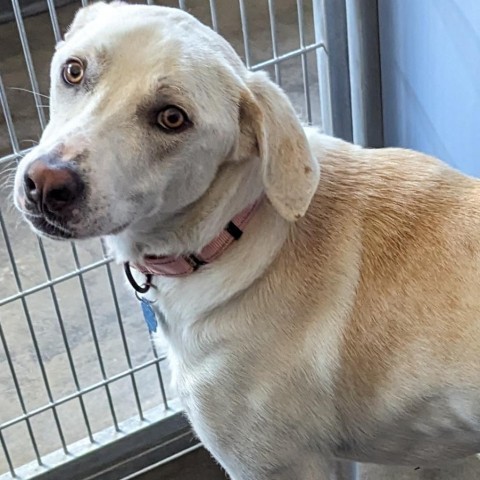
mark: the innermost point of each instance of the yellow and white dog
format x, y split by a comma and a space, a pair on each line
321, 301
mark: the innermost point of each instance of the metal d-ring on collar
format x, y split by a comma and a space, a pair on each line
138, 288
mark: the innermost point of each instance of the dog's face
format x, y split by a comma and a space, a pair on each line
146, 105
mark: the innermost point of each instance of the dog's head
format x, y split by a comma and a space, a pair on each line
147, 106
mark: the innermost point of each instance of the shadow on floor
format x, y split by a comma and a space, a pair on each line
197, 465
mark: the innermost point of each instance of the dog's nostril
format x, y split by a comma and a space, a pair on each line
58, 198
59, 195
30, 187
29, 184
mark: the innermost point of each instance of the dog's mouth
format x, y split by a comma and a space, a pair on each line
48, 227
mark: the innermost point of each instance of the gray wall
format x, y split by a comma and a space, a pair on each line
430, 54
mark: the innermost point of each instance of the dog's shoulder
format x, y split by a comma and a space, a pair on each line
384, 179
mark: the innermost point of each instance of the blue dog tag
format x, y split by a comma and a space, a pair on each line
149, 315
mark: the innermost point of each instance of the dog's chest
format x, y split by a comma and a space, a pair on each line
252, 394
212, 398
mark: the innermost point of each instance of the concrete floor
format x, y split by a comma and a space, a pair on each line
71, 302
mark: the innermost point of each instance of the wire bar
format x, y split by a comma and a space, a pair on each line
305, 76
28, 59
85, 391
273, 33
7, 456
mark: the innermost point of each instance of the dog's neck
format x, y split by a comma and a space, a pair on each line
235, 188
181, 266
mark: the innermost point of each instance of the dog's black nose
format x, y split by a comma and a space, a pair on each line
52, 184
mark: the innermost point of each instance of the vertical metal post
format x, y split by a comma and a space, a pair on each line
365, 73
7, 455
54, 20
28, 59
213, 13
246, 36
159, 372
273, 34
330, 20
306, 81
322, 66
8, 118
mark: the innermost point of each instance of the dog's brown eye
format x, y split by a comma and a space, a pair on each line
172, 118
73, 71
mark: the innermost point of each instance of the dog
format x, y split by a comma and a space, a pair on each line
320, 300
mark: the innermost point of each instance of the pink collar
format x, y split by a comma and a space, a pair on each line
174, 266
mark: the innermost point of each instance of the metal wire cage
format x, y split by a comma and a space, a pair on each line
78, 373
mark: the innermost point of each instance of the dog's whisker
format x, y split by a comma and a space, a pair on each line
30, 91
10, 168
30, 140
9, 177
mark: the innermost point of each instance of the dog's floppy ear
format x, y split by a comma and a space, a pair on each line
87, 14
270, 128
